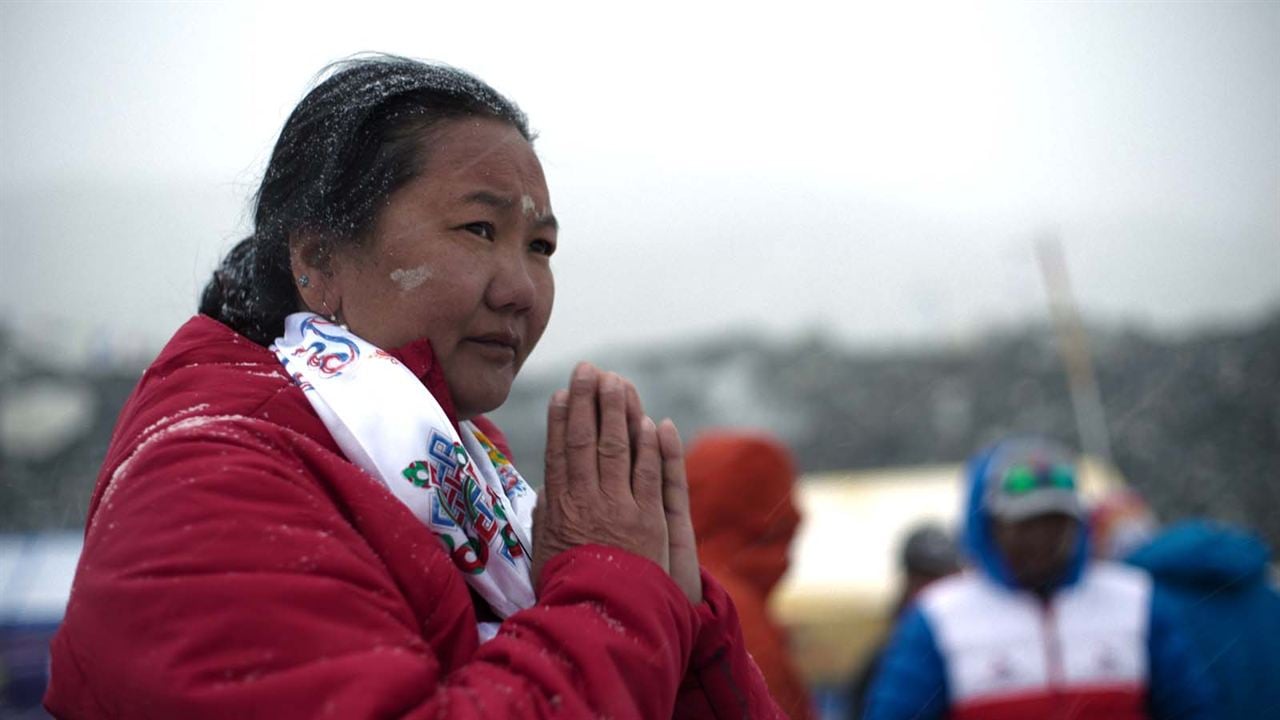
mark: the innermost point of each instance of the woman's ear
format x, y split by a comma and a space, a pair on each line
313, 278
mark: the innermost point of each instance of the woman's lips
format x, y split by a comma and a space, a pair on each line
501, 346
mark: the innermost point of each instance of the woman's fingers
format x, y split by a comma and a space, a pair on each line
604, 479
683, 545
635, 415
675, 486
646, 478
556, 476
581, 428
555, 482
614, 445
646, 485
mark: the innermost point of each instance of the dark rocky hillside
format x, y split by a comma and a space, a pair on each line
1193, 422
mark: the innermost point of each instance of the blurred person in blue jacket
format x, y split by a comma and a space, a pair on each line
1217, 577
1037, 628
928, 554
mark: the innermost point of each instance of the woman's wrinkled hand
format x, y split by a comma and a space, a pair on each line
604, 479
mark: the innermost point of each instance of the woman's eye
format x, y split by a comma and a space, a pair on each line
483, 229
543, 247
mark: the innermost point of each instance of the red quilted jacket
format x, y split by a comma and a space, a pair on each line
237, 565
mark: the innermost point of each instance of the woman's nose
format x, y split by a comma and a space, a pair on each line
511, 287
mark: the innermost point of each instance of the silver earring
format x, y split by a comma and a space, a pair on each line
304, 280
333, 316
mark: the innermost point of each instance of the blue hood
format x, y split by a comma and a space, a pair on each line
978, 544
1199, 552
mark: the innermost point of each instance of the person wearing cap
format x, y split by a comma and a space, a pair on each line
1036, 628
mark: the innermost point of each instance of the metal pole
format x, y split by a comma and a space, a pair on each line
1086, 399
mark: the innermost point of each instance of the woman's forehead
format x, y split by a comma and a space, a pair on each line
483, 150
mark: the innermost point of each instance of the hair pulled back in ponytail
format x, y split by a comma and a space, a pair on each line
358, 136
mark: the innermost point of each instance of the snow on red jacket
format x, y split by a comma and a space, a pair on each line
237, 565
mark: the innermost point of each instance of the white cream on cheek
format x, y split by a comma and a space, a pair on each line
411, 278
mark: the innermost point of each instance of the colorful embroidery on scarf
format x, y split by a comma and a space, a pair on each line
328, 362
511, 479
454, 480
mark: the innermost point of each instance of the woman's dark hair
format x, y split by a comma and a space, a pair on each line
356, 138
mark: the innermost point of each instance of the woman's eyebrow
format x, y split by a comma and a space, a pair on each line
493, 200
503, 202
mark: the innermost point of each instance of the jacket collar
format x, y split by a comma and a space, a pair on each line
418, 356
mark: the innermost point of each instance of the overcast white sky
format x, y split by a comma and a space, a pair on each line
877, 171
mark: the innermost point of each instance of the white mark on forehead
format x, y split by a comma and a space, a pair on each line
411, 278
527, 205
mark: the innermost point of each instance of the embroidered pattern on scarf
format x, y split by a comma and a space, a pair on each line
461, 486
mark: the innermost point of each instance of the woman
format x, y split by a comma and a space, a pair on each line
304, 513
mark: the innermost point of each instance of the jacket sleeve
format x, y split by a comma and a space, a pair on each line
1180, 687
722, 681
911, 681
220, 580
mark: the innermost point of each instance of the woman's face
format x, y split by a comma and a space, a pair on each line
459, 256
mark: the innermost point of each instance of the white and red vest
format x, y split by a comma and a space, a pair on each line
1008, 655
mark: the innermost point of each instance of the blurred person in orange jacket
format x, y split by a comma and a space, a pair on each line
745, 518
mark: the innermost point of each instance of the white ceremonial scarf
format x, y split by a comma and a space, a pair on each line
386, 422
